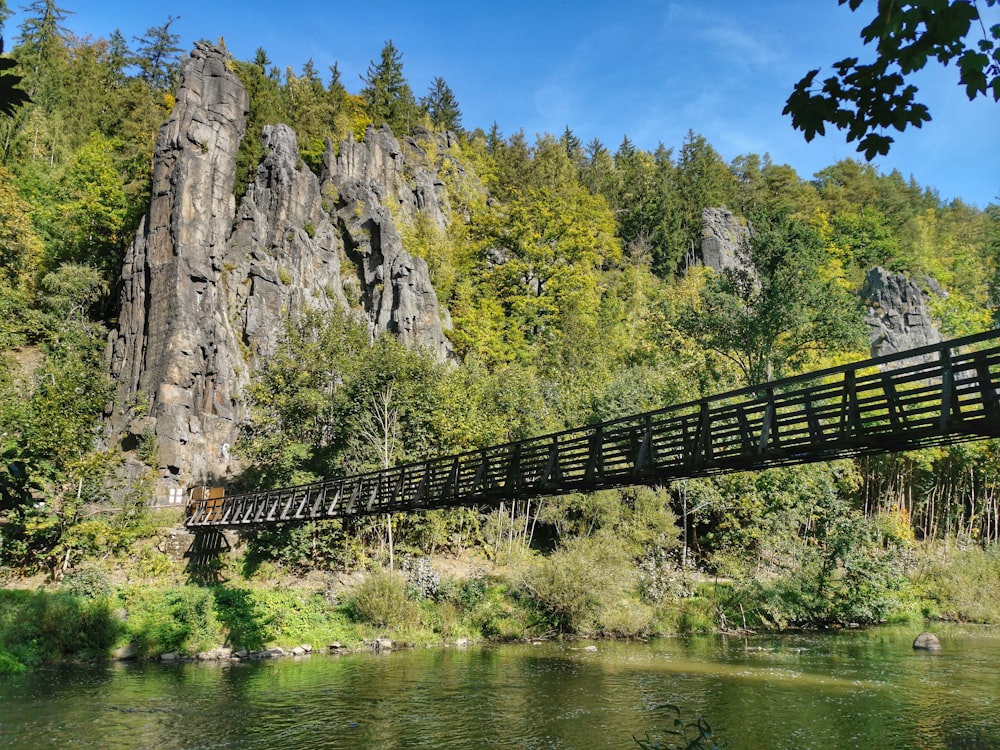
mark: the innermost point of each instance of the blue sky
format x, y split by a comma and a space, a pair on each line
644, 69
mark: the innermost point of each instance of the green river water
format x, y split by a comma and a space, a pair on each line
855, 689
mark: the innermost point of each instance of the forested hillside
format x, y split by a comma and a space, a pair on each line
571, 273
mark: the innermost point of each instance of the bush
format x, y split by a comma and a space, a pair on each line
88, 581
165, 620
42, 626
422, 581
580, 578
626, 619
9, 664
960, 584
498, 613
381, 600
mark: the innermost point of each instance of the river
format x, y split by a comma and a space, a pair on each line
852, 689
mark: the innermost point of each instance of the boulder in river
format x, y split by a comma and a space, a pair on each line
927, 642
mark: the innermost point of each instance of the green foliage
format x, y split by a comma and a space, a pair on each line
768, 315
559, 267
865, 99
387, 95
580, 579
317, 545
157, 55
441, 106
254, 618
382, 601
497, 611
89, 582
700, 179
960, 583
799, 553
539, 281
9, 664
39, 626
171, 620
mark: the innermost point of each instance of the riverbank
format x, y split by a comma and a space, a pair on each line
101, 609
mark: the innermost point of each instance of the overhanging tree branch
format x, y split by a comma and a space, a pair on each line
866, 99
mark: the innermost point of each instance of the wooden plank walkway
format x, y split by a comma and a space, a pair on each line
935, 395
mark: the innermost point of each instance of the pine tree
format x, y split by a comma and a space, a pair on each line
41, 51
157, 55
442, 106
387, 94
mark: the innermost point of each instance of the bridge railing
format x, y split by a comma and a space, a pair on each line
942, 393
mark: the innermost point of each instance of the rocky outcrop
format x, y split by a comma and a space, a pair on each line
207, 287
393, 287
724, 240
172, 355
897, 313
405, 174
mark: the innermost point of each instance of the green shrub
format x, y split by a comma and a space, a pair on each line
625, 619
580, 578
960, 584
42, 626
381, 600
164, 620
9, 664
88, 581
499, 613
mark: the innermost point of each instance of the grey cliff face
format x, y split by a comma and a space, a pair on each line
171, 357
897, 313
724, 239
394, 287
206, 288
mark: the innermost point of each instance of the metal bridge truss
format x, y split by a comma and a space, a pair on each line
940, 394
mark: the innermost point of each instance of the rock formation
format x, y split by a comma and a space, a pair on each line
724, 239
897, 313
206, 287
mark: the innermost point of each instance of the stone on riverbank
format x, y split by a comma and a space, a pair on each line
127, 653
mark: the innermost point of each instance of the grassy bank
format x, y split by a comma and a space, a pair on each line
88, 615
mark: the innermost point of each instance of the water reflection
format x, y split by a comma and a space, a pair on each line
844, 690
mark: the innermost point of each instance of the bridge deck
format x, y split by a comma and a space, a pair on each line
940, 394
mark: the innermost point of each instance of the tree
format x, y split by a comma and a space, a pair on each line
864, 98
380, 428
299, 400
310, 109
94, 211
640, 201
157, 55
21, 252
699, 180
41, 52
387, 94
540, 288
442, 106
767, 314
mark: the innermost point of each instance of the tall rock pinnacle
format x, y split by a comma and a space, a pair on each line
207, 287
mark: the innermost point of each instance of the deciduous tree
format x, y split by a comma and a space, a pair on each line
767, 314
866, 98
